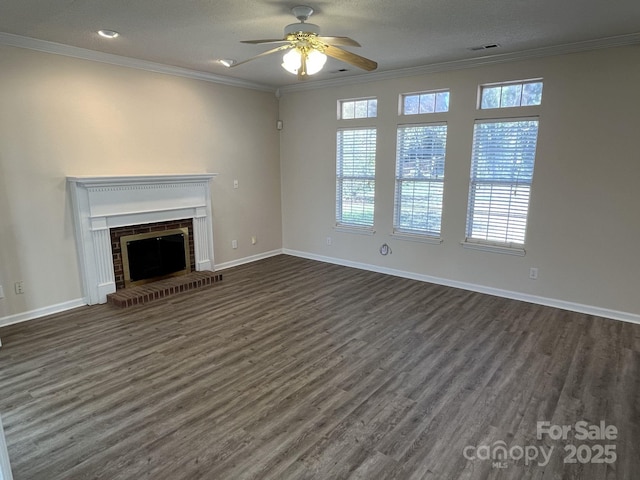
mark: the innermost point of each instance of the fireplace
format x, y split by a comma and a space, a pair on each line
147, 257
104, 204
151, 229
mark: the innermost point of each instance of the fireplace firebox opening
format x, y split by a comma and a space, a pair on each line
147, 257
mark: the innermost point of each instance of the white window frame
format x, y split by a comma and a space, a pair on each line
398, 230
506, 246
341, 178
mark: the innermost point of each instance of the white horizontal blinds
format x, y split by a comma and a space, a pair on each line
355, 179
501, 175
420, 161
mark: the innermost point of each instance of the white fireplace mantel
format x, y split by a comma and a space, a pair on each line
104, 202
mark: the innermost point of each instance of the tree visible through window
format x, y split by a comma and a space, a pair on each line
425, 102
420, 178
355, 176
358, 108
516, 94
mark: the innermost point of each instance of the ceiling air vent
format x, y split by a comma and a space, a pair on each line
485, 47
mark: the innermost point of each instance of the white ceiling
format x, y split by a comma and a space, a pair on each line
193, 34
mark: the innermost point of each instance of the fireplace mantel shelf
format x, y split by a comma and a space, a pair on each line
104, 202
111, 180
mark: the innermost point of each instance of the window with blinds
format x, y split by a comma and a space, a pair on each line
355, 176
501, 175
420, 161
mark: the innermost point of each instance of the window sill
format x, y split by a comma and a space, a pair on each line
416, 237
355, 230
487, 247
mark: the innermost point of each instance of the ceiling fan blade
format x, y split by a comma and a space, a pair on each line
344, 41
351, 58
267, 40
273, 50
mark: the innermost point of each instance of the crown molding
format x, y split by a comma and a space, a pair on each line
608, 42
19, 41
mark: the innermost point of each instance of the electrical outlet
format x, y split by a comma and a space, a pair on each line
234, 243
329, 241
235, 184
254, 240
1, 292
19, 287
533, 273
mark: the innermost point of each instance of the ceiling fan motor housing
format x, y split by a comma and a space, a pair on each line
301, 27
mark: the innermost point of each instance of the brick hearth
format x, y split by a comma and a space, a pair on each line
150, 292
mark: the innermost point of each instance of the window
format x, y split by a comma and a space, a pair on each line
512, 94
425, 102
419, 179
358, 108
355, 177
501, 176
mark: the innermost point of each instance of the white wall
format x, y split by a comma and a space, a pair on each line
61, 116
584, 224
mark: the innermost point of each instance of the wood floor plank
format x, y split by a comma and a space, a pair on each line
296, 369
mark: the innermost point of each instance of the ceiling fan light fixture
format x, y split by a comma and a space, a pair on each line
315, 61
292, 61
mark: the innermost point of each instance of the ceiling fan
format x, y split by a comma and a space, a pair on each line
307, 49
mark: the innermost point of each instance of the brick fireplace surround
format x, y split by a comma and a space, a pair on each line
105, 203
118, 232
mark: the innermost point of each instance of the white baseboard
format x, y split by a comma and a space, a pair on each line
252, 258
41, 312
550, 302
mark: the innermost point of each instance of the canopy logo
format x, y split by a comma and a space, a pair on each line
500, 454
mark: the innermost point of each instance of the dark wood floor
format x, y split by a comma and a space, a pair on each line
294, 369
